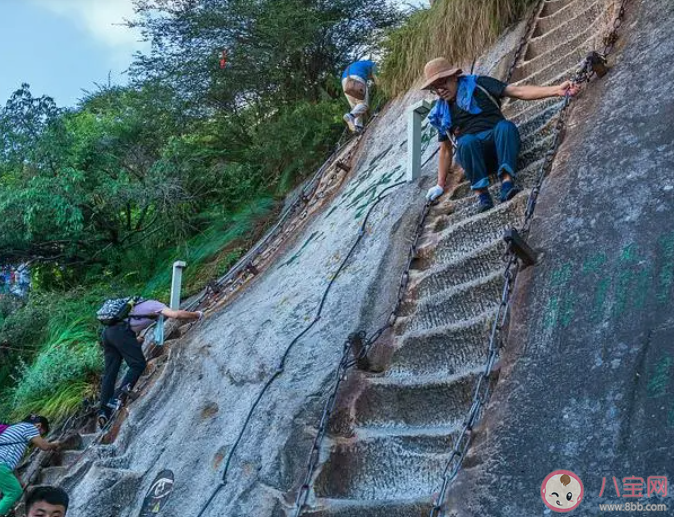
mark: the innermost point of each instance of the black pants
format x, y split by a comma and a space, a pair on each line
119, 342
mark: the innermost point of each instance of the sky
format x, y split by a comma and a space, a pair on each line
62, 47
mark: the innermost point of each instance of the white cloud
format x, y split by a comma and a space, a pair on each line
103, 19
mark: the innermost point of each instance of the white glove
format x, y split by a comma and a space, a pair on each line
201, 315
434, 193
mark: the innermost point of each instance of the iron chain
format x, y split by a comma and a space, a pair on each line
523, 41
481, 392
346, 362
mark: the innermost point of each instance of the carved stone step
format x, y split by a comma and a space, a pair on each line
539, 124
468, 206
534, 152
400, 467
443, 350
483, 262
568, 22
360, 508
520, 111
540, 51
562, 68
552, 7
68, 458
424, 402
50, 475
452, 306
475, 232
88, 439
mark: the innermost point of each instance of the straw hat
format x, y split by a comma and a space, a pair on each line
438, 68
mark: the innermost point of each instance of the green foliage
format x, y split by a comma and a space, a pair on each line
71, 355
23, 328
459, 30
278, 51
210, 253
189, 162
58, 337
297, 140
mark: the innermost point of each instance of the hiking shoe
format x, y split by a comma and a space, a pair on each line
115, 404
484, 202
126, 394
359, 129
509, 190
350, 121
102, 419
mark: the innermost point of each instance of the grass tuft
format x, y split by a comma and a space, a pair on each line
54, 384
459, 30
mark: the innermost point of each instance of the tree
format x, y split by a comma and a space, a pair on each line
278, 51
78, 185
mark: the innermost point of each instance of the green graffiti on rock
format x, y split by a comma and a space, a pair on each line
659, 379
297, 255
666, 276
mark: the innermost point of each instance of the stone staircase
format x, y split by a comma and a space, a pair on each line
389, 460
61, 465
64, 460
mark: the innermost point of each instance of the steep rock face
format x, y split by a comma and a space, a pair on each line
405, 420
390, 459
193, 413
589, 379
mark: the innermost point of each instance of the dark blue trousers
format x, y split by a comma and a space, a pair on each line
492, 150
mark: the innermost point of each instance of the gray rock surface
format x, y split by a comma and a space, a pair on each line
591, 329
195, 410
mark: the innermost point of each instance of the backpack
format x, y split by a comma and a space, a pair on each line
116, 310
355, 88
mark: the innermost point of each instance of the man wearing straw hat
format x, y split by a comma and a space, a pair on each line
468, 118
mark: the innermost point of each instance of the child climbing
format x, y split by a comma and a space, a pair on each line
13, 444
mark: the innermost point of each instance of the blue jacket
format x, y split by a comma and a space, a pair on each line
440, 116
363, 69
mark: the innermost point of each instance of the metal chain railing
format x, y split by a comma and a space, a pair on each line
280, 369
340, 375
481, 391
587, 70
523, 40
347, 362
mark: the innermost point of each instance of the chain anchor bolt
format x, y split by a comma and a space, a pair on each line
359, 351
343, 166
518, 246
597, 63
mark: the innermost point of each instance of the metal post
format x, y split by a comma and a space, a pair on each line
176, 283
417, 112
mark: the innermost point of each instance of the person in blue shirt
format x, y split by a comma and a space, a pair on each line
355, 80
468, 118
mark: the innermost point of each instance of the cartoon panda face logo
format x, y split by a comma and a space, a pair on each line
562, 491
